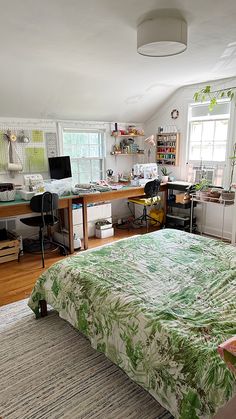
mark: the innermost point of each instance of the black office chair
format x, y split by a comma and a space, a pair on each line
46, 204
151, 197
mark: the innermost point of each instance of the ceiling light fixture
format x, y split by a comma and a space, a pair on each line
162, 36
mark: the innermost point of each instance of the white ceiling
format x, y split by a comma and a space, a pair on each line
77, 59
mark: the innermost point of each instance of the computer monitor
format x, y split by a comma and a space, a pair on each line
60, 167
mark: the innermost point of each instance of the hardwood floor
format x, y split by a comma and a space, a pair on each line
17, 279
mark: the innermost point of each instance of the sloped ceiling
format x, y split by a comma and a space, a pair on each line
77, 59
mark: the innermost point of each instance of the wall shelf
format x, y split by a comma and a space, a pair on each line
127, 154
128, 135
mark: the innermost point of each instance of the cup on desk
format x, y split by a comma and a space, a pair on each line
115, 178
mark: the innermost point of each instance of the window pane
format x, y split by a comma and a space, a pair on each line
195, 151
198, 111
96, 170
74, 166
196, 131
207, 151
94, 138
208, 131
83, 144
84, 165
85, 177
82, 138
83, 151
219, 152
208, 140
221, 130
75, 178
94, 151
86, 152
96, 165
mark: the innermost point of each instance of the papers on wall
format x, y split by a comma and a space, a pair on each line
51, 143
37, 136
32, 155
35, 160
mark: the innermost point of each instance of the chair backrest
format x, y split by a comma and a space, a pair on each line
45, 203
152, 188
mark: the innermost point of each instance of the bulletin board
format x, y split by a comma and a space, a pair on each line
31, 150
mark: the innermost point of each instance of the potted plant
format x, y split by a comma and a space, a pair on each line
214, 194
228, 194
201, 189
165, 174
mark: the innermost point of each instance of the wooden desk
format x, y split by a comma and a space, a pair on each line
20, 207
127, 192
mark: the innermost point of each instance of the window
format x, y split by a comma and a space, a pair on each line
86, 150
208, 142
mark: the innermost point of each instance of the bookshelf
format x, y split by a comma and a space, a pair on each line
168, 148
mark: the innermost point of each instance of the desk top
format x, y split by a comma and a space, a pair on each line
125, 191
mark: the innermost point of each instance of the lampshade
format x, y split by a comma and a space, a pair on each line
162, 36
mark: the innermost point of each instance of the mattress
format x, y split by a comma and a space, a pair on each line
157, 305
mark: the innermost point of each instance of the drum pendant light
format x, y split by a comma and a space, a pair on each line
162, 36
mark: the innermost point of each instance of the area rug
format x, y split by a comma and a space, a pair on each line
49, 370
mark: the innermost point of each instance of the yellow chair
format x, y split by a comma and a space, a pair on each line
151, 198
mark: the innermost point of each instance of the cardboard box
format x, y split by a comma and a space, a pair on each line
179, 198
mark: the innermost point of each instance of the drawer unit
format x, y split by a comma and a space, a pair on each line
95, 213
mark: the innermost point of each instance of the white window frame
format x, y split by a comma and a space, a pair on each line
229, 145
89, 159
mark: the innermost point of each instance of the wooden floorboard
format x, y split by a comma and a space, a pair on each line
17, 279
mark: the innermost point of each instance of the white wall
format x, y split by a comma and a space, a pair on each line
180, 100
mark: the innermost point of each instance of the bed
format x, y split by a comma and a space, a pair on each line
158, 305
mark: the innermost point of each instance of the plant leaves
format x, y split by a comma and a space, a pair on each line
195, 96
212, 104
207, 89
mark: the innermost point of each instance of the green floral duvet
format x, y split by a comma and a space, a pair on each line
158, 305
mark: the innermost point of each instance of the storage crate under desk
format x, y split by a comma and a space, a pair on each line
9, 249
95, 213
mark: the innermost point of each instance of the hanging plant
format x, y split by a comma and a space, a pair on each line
206, 94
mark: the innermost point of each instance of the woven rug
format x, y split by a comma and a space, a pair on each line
49, 370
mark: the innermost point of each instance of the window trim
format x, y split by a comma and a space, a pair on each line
229, 145
102, 132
